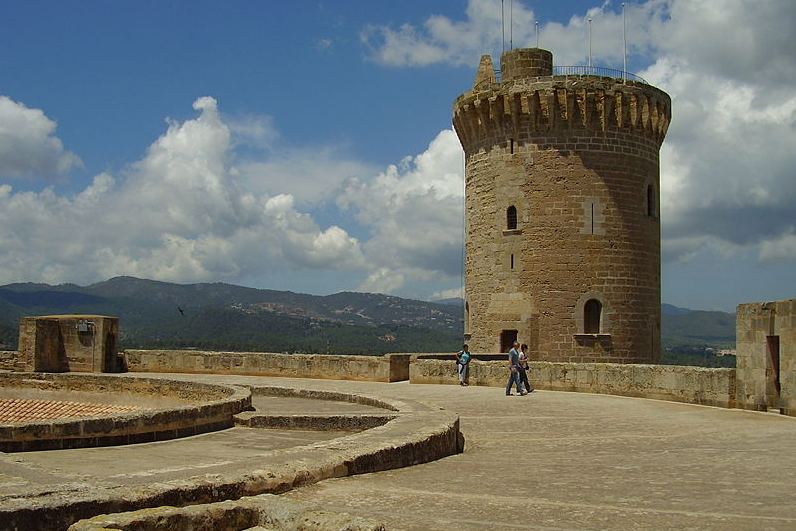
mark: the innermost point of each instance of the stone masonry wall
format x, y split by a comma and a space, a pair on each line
695, 385
9, 361
577, 156
388, 368
68, 343
766, 356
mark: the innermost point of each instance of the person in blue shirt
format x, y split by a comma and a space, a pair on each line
514, 376
462, 363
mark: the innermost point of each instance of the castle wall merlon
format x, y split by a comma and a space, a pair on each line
562, 105
485, 75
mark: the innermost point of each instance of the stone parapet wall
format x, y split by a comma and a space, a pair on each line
695, 385
388, 368
68, 343
539, 107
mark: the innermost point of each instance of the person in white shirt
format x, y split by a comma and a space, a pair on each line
463, 364
523, 368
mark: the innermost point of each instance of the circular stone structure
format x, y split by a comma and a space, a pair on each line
41, 411
310, 435
561, 208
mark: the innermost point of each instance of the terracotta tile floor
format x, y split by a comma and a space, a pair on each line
21, 410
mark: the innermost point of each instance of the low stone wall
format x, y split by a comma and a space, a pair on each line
387, 368
317, 394
695, 385
9, 361
266, 511
341, 422
208, 408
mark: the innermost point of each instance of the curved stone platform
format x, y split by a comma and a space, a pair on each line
265, 512
169, 410
371, 413
550, 460
415, 433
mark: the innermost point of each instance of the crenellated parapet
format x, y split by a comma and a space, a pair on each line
560, 106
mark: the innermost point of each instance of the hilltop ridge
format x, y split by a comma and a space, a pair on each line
156, 314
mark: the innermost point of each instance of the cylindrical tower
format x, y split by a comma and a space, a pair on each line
561, 204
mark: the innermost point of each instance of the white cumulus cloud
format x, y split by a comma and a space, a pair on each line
414, 213
178, 214
442, 40
726, 168
28, 145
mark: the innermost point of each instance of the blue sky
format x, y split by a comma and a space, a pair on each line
308, 146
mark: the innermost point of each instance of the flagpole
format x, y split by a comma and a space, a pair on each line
511, 25
590, 43
503, 26
624, 43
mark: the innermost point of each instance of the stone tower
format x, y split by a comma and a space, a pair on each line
561, 205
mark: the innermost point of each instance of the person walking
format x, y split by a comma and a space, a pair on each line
514, 376
523, 368
463, 364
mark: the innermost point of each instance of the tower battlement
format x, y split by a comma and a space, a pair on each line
525, 108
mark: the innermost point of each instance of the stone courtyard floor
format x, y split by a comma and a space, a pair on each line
546, 461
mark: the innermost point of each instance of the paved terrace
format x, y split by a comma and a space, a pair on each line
547, 461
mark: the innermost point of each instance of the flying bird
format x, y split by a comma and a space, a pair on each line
182, 312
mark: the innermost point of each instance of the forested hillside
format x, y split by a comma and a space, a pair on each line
716, 329
223, 316
226, 317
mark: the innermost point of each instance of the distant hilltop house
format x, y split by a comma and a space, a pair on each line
562, 233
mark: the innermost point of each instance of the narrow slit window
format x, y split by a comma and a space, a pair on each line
511, 218
511, 143
512, 261
651, 210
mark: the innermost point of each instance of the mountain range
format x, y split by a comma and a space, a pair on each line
219, 316
156, 314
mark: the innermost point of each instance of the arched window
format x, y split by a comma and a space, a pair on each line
591, 316
651, 210
511, 217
